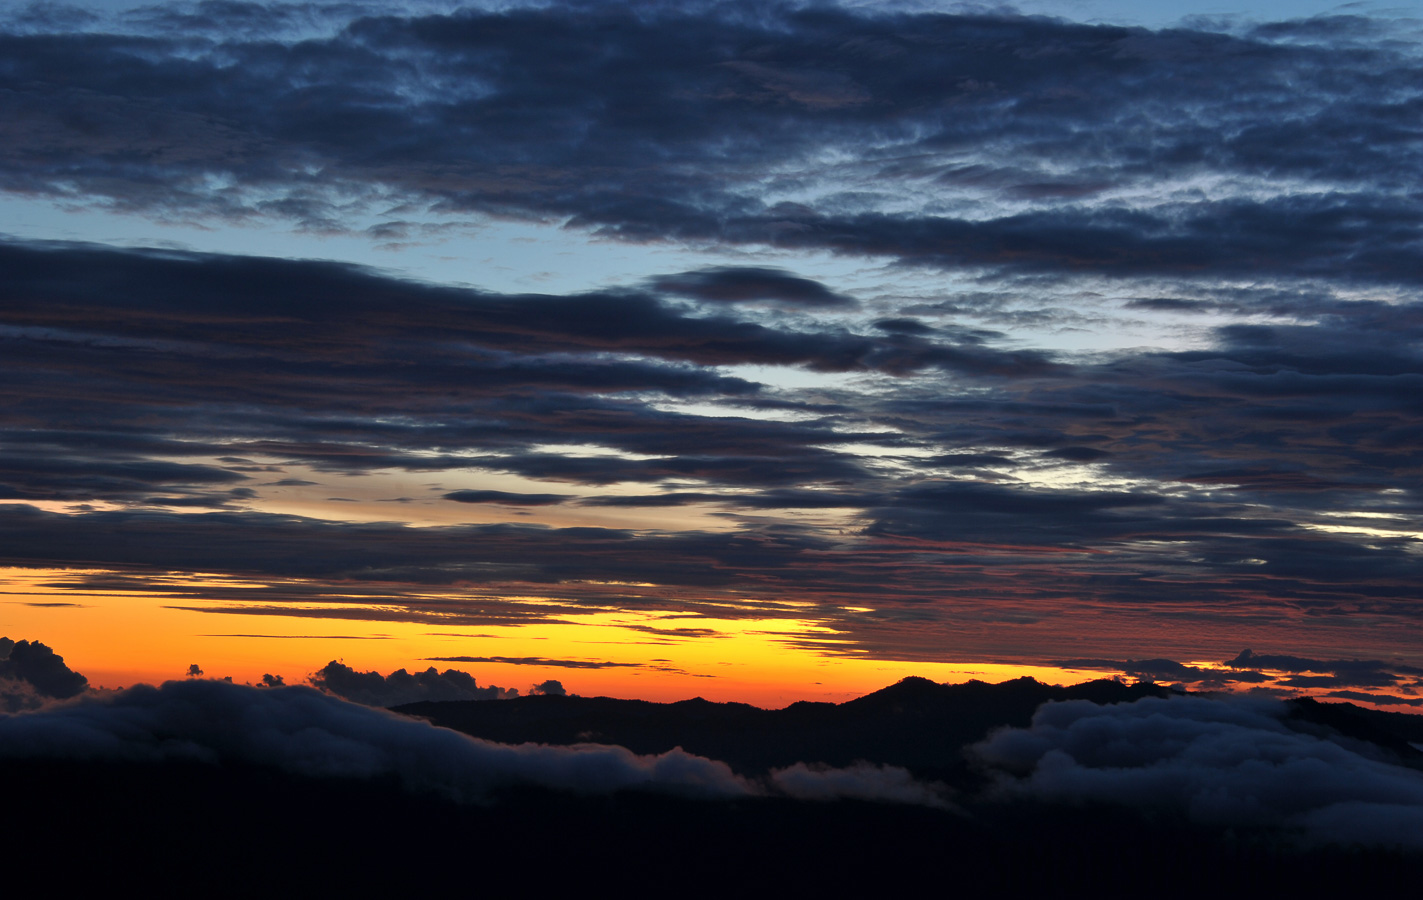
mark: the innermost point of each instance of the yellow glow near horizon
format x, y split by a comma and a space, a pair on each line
120, 637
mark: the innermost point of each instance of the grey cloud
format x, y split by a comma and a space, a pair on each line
1327, 673
747, 284
681, 115
864, 781
118, 378
550, 688
1384, 699
31, 675
506, 498
1218, 762
304, 732
400, 686
1164, 670
536, 661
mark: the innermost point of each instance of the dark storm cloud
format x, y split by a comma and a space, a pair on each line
1218, 762
675, 122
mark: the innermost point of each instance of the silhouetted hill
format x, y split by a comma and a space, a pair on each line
915, 723
1392, 731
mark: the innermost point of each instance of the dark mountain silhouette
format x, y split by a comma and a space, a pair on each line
915, 723
1394, 732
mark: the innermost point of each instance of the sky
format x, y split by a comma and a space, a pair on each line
752, 351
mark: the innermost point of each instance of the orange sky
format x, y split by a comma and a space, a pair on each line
121, 637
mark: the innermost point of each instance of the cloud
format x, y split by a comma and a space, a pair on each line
401, 687
32, 675
1164, 670
751, 284
1381, 699
852, 129
535, 661
307, 733
1219, 762
506, 498
863, 781
1266, 462
550, 688
304, 732
1332, 673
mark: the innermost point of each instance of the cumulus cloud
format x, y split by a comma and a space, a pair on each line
550, 688
32, 675
1235, 762
400, 686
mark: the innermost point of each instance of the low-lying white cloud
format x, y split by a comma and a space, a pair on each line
1224, 762
305, 732
862, 781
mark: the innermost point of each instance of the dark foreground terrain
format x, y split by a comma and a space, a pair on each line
233, 831
227, 827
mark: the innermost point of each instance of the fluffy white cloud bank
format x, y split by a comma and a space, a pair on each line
1220, 762
305, 732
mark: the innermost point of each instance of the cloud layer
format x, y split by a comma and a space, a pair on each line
304, 732
1006, 333
1216, 762
947, 140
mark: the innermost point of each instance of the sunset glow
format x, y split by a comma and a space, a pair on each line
763, 353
